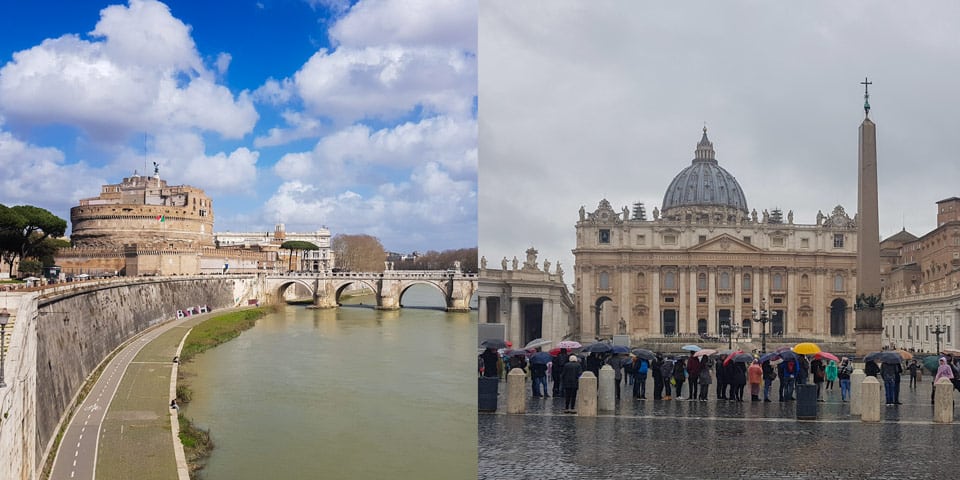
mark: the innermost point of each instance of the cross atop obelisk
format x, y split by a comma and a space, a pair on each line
869, 307
866, 95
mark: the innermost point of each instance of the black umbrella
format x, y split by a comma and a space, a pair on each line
644, 354
598, 347
742, 358
494, 343
886, 356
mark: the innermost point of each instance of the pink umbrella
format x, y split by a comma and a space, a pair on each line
827, 355
704, 352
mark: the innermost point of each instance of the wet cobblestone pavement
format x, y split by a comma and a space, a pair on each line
717, 439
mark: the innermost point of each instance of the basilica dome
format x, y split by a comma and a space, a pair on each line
703, 187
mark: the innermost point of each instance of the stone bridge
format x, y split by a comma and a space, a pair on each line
326, 287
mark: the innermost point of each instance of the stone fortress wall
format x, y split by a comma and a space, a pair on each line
59, 338
144, 211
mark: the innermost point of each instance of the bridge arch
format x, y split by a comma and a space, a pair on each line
281, 288
444, 295
341, 286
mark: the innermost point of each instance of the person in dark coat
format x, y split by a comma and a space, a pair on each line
666, 370
769, 375
819, 374
657, 377
538, 374
559, 360
871, 369
570, 377
679, 376
693, 372
594, 363
705, 378
491, 363
889, 373
738, 380
721, 381
616, 363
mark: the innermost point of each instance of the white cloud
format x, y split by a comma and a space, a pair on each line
142, 73
406, 215
36, 175
355, 152
446, 23
223, 62
300, 126
183, 160
386, 82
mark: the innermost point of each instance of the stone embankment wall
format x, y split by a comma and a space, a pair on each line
61, 335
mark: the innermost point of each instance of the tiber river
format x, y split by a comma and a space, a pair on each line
347, 393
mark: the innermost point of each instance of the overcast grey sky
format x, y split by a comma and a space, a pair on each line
580, 101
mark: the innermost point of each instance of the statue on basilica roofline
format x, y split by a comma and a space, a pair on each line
753, 215
820, 217
503, 264
515, 262
656, 213
483, 262
790, 217
626, 214
583, 213
546, 265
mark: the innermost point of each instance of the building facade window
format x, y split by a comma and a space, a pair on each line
702, 281
670, 280
746, 281
669, 239
777, 281
838, 283
804, 282
837, 240
604, 235
725, 281
604, 281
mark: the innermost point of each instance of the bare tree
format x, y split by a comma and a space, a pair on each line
358, 253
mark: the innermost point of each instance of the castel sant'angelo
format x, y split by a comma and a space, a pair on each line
142, 226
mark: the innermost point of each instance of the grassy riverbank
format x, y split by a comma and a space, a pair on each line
197, 444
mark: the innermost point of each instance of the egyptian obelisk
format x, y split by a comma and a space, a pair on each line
869, 318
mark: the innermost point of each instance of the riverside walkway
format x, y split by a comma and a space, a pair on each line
123, 428
717, 439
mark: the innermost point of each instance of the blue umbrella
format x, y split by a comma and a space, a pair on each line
541, 358
769, 356
788, 355
691, 348
619, 349
598, 347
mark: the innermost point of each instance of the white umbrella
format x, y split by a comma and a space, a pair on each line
539, 342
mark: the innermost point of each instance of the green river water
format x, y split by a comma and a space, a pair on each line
348, 393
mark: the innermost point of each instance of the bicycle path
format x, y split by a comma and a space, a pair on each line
123, 429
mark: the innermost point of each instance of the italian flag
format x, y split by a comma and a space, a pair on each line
161, 218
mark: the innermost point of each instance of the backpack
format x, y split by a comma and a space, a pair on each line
642, 367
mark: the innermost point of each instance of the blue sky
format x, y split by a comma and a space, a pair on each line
360, 116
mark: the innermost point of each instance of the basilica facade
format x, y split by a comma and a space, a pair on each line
706, 264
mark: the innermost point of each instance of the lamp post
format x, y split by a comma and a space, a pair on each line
731, 327
762, 316
937, 330
4, 318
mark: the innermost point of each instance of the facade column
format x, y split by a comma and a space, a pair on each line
792, 298
820, 306
712, 294
626, 292
514, 327
682, 300
654, 313
551, 329
738, 298
587, 289
694, 290
481, 309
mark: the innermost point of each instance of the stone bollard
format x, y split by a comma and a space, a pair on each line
606, 386
943, 401
870, 400
587, 395
517, 391
856, 382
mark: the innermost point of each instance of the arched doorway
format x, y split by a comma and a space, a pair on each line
602, 313
838, 318
702, 326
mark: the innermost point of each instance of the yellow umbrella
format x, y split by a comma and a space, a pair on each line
905, 354
806, 348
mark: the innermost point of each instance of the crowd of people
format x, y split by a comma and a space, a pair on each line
671, 372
